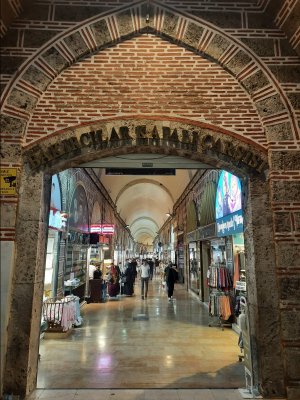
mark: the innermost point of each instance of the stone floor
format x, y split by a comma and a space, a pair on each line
134, 349
136, 394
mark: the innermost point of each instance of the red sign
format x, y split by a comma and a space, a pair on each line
104, 229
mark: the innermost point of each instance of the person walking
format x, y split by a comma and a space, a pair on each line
145, 274
151, 265
171, 276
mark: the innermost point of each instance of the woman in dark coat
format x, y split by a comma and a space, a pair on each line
129, 278
113, 285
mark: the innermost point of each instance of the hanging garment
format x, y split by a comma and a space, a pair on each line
236, 276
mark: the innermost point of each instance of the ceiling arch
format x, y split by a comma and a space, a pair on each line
142, 181
144, 230
143, 219
143, 202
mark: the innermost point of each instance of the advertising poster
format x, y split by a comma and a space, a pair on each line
78, 215
229, 195
57, 218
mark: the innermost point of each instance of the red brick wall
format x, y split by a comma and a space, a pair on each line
148, 76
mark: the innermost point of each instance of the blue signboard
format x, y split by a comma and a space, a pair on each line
230, 224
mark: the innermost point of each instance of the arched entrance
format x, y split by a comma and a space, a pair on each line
161, 136
251, 100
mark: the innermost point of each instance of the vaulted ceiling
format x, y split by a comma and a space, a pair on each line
143, 201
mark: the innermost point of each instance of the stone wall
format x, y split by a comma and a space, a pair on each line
282, 14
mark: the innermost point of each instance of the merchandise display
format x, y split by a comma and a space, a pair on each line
220, 298
62, 314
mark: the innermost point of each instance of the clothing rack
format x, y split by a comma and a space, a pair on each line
220, 309
62, 314
219, 277
220, 285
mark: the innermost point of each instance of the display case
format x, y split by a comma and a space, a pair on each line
194, 267
76, 263
75, 273
180, 261
96, 253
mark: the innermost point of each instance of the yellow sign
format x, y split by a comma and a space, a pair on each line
8, 181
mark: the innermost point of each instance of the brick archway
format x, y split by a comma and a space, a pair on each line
23, 333
277, 134
106, 30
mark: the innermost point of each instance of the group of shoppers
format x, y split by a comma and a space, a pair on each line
170, 277
118, 279
121, 278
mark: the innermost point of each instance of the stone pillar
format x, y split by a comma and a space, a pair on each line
27, 287
285, 191
262, 290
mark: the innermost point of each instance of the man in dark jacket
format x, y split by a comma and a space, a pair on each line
171, 276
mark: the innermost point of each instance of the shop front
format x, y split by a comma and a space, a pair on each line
77, 245
201, 251
179, 261
227, 272
193, 249
57, 226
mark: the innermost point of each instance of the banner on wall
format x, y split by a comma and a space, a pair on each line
79, 216
230, 224
229, 195
57, 218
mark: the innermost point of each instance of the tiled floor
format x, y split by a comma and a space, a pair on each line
142, 350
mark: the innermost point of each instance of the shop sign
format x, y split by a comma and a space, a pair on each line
104, 229
106, 137
207, 231
230, 224
240, 286
8, 179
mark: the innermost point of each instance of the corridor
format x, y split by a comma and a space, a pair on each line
132, 343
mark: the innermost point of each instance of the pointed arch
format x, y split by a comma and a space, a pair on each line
107, 29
